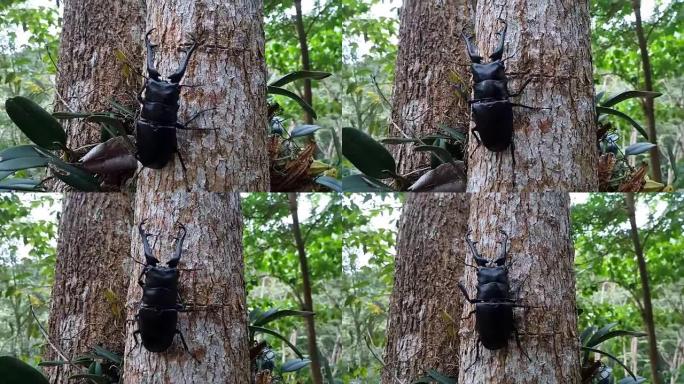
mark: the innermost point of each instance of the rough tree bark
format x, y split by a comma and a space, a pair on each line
540, 262
94, 230
91, 276
211, 280
306, 286
431, 67
230, 72
555, 150
89, 74
647, 310
425, 307
648, 104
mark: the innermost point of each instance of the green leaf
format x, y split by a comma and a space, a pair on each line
36, 123
363, 183
638, 148
304, 130
70, 115
70, 174
98, 379
329, 182
20, 185
18, 151
586, 334
271, 315
611, 357
440, 152
629, 95
294, 76
15, 371
4, 174
295, 365
23, 163
367, 155
256, 329
293, 96
600, 333
107, 355
614, 112
599, 96
441, 378
53, 363
398, 140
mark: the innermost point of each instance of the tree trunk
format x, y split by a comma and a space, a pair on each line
304, 48
648, 104
554, 149
212, 285
94, 231
431, 68
308, 300
540, 264
89, 73
230, 73
425, 306
91, 276
647, 311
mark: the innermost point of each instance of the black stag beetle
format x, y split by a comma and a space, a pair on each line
494, 303
491, 108
156, 128
157, 317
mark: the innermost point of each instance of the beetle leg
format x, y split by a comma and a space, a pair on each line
185, 345
180, 72
185, 170
184, 125
472, 50
528, 107
517, 341
521, 89
477, 354
173, 262
151, 70
513, 162
469, 314
465, 293
499, 50
149, 256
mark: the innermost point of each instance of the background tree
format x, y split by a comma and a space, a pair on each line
540, 262
212, 284
425, 309
232, 156
608, 285
27, 257
554, 149
431, 66
94, 228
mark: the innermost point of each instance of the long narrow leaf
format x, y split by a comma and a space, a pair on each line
293, 96
256, 329
611, 357
280, 314
294, 76
629, 95
614, 112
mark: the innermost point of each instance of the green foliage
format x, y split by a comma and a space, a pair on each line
591, 337
15, 371
27, 257
608, 288
102, 366
433, 376
617, 65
